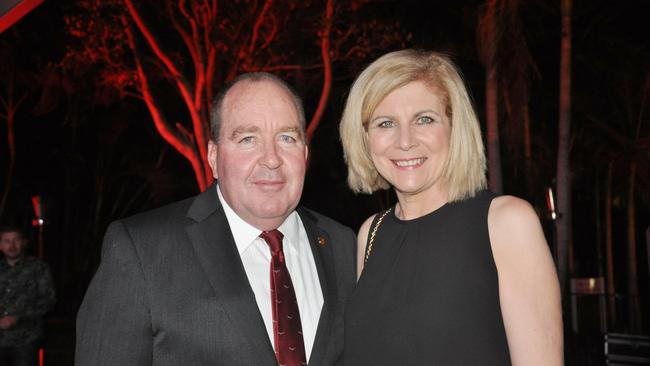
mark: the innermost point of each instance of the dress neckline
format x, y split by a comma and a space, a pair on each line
416, 220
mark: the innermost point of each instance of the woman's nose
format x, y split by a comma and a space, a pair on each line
406, 137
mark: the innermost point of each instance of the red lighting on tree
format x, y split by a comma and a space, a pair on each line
176, 55
13, 11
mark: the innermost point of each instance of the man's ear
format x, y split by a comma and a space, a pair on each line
212, 158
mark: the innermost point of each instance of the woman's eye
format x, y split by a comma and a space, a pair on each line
386, 124
424, 120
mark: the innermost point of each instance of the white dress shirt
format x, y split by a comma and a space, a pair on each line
256, 257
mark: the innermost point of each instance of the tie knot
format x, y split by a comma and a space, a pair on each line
274, 239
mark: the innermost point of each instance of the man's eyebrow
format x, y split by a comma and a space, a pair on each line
243, 129
291, 129
294, 129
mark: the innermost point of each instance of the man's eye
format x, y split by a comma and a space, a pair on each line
386, 124
287, 139
246, 140
424, 120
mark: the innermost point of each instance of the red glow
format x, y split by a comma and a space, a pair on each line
327, 70
41, 357
17, 12
195, 147
36, 203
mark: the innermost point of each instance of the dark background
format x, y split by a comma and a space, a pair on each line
95, 159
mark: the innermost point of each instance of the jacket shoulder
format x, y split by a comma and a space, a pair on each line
167, 216
323, 221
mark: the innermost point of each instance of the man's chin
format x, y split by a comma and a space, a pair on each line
279, 215
272, 218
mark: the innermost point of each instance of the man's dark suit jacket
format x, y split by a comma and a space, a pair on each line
171, 290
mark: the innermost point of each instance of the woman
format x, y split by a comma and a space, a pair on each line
452, 274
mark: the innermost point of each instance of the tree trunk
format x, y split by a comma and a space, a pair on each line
11, 107
563, 223
492, 99
11, 142
528, 151
632, 280
609, 252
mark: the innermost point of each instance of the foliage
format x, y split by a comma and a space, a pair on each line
176, 55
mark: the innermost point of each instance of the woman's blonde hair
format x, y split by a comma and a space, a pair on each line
464, 171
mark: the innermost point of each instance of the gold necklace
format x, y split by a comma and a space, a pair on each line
373, 233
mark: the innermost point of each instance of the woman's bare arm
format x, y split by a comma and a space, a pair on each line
528, 286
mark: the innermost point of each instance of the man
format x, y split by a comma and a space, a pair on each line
209, 280
26, 294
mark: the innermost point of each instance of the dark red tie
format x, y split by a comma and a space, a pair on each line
289, 346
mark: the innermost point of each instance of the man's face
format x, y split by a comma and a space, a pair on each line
261, 155
11, 245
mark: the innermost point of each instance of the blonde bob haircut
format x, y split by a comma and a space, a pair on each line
463, 173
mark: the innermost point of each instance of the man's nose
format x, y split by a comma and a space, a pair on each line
270, 157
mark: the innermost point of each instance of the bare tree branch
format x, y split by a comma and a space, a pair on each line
164, 129
197, 123
258, 24
327, 69
194, 50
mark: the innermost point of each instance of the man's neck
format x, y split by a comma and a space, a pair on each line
12, 261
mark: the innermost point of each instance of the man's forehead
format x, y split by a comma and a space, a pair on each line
248, 94
260, 99
247, 91
9, 234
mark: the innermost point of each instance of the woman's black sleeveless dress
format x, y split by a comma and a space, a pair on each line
429, 293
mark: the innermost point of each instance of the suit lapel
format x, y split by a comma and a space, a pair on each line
215, 248
324, 260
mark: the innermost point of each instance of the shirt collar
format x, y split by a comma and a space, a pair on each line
18, 262
245, 233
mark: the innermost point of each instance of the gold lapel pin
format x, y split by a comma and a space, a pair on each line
321, 241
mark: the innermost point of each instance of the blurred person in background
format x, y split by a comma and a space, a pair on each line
26, 294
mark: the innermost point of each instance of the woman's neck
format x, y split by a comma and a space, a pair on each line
412, 206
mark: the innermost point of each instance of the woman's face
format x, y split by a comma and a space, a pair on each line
408, 139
